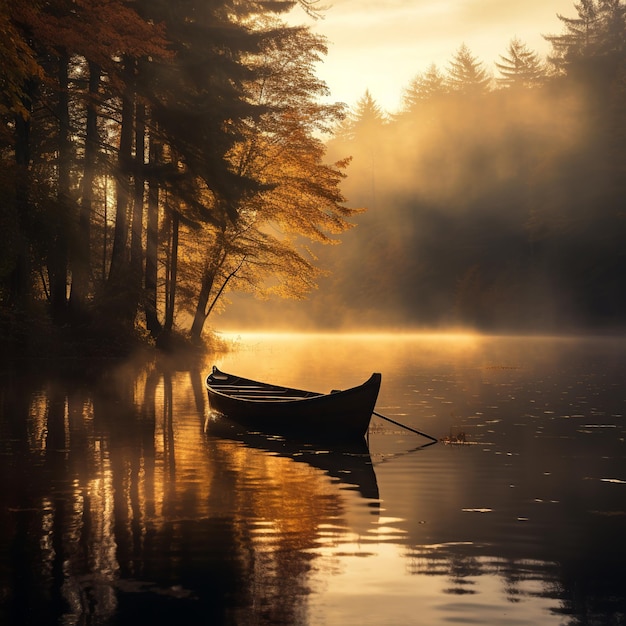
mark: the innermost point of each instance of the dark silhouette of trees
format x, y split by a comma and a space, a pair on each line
157, 155
63, 40
124, 129
596, 33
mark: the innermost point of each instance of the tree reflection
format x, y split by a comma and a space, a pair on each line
127, 508
127, 511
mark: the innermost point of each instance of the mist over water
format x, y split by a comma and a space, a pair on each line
496, 212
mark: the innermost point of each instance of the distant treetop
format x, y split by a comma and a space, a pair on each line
466, 74
520, 67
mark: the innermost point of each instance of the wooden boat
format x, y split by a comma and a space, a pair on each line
335, 416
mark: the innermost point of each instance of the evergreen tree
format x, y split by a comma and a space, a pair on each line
363, 134
466, 74
365, 121
599, 31
520, 67
422, 102
424, 88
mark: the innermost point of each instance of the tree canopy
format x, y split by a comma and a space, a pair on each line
158, 155
158, 150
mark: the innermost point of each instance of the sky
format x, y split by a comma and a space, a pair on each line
380, 45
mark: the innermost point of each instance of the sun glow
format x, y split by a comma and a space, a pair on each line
453, 336
324, 361
390, 43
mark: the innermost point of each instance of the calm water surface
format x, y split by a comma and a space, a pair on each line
124, 501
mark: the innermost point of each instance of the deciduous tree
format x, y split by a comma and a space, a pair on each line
299, 194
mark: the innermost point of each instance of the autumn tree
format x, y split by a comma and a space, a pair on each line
196, 119
18, 64
66, 38
19, 71
298, 196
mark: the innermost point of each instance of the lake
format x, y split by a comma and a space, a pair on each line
123, 500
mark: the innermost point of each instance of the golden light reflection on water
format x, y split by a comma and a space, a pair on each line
459, 341
139, 479
428, 591
126, 496
326, 360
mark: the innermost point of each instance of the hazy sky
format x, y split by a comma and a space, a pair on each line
381, 45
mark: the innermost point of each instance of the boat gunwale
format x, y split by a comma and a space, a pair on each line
287, 400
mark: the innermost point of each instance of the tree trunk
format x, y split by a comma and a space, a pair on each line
81, 260
203, 308
152, 242
136, 245
119, 258
200, 315
58, 256
19, 286
172, 271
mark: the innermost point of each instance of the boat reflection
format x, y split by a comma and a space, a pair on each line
348, 463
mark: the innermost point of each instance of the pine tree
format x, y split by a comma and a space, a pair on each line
362, 134
599, 30
424, 88
520, 67
364, 122
466, 74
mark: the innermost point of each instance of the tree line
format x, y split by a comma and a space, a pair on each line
155, 154
493, 201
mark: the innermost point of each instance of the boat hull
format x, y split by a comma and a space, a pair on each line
340, 415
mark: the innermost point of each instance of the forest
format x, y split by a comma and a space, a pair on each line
156, 154
159, 155
495, 201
